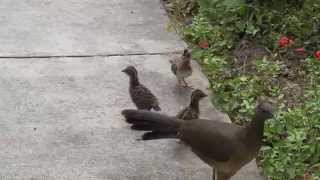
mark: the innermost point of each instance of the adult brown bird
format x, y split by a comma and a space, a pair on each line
224, 146
141, 96
181, 67
192, 111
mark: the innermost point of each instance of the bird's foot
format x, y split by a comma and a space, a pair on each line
179, 142
184, 84
188, 86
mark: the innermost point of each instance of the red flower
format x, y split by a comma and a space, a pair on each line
306, 176
291, 42
300, 50
285, 41
317, 54
204, 44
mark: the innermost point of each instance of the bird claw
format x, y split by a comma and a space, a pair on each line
183, 83
180, 142
187, 86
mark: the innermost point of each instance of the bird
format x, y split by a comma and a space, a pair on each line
226, 147
192, 111
181, 67
140, 95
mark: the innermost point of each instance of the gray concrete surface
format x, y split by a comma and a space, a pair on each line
60, 117
83, 27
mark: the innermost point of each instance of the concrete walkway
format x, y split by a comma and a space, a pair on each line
62, 91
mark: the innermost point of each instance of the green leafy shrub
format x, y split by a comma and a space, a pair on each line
234, 19
181, 8
292, 79
296, 141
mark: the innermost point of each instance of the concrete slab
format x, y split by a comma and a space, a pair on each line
60, 119
84, 27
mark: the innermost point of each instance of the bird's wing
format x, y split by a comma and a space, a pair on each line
187, 114
182, 114
174, 68
211, 139
143, 96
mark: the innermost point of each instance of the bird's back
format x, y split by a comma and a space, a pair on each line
174, 66
180, 67
217, 143
212, 138
188, 113
142, 97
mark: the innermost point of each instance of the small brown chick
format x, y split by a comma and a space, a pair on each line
192, 111
141, 96
181, 67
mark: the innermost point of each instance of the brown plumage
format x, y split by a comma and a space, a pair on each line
181, 67
192, 111
141, 96
225, 146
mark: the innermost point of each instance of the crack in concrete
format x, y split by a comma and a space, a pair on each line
91, 55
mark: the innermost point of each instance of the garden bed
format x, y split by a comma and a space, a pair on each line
250, 49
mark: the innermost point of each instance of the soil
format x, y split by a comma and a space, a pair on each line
293, 75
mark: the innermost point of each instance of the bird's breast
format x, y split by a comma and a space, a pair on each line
183, 74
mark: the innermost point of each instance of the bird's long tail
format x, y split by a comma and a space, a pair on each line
159, 126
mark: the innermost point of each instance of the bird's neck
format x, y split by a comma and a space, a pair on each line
194, 104
255, 131
134, 81
186, 63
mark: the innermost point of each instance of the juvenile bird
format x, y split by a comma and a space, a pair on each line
181, 67
192, 111
141, 96
226, 147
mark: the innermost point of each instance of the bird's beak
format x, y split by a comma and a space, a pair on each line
273, 113
123, 70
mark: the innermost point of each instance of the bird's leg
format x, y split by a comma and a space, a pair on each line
180, 142
214, 177
223, 176
266, 143
186, 84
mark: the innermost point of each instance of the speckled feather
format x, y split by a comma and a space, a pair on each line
181, 67
192, 111
143, 98
188, 113
174, 68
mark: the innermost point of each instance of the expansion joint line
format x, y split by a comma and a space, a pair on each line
91, 55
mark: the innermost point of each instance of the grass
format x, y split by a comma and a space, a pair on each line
241, 49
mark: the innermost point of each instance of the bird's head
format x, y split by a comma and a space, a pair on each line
186, 55
265, 110
130, 71
198, 94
